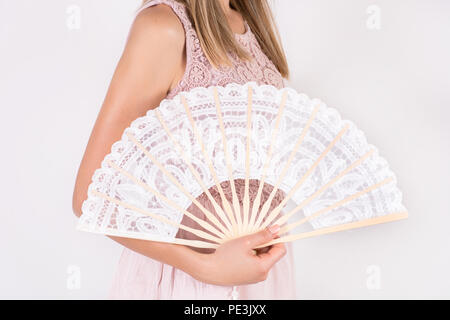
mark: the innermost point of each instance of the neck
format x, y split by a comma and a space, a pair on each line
225, 6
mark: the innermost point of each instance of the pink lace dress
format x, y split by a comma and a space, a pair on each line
139, 277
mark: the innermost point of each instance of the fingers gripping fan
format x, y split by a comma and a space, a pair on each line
216, 163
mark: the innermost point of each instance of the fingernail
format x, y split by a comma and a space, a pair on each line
274, 228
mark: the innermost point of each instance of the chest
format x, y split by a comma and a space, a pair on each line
201, 73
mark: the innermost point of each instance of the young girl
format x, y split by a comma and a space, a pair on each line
173, 46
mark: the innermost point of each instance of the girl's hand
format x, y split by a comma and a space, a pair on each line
236, 262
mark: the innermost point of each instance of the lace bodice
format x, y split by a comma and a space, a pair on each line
200, 73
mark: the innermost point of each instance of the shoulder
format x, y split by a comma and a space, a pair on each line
153, 53
158, 21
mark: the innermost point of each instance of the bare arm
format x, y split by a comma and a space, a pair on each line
143, 75
152, 62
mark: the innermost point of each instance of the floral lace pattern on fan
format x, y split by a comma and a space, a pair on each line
330, 147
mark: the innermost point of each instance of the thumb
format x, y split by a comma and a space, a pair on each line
260, 237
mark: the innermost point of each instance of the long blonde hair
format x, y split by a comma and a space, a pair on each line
216, 37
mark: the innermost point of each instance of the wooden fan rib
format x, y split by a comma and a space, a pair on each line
207, 213
133, 235
246, 201
347, 226
235, 200
225, 202
300, 139
278, 209
256, 203
293, 225
217, 207
159, 217
321, 190
201, 222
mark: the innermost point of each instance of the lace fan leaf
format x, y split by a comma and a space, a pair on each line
172, 169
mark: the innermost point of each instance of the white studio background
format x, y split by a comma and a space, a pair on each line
382, 64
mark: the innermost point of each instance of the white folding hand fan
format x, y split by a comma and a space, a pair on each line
216, 163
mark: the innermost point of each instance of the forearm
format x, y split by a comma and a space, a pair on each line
179, 256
